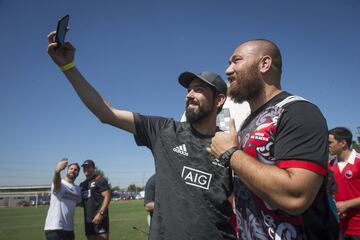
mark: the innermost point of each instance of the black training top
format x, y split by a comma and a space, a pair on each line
92, 199
192, 189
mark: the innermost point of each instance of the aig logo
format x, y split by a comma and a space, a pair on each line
196, 178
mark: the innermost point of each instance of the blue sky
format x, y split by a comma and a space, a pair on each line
133, 51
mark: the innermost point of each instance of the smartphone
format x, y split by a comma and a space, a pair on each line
61, 30
65, 159
223, 120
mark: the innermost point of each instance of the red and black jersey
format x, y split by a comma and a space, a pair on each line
288, 132
92, 199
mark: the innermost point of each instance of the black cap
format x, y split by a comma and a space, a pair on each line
210, 78
89, 162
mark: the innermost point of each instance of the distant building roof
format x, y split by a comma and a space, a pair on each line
24, 190
24, 186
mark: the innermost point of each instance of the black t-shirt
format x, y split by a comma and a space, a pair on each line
92, 199
288, 132
192, 189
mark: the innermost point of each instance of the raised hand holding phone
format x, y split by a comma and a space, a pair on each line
61, 30
61, 52
61, 165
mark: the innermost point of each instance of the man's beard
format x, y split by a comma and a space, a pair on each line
72, 176
248, 87
195, 115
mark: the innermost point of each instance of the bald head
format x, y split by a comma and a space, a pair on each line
263, 47
254, 72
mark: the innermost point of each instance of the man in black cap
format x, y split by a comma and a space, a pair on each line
95, 193
192, 187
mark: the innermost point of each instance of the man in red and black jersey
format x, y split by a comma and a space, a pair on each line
95, 193
279, 155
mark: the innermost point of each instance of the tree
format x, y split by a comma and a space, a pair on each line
355, 146
115, 189
100, 172
134, 188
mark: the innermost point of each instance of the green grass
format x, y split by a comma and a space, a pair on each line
28, 223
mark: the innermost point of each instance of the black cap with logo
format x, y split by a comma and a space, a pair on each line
210, 78
88, 162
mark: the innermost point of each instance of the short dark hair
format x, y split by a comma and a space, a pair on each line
76, 164
215, 94
342, 133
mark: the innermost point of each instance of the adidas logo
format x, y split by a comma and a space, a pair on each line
181, 149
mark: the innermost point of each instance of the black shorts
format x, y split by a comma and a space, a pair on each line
59, 235
97, 229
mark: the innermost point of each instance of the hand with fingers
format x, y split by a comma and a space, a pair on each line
61, 165
223, 141
61, 55
97, 219
342, 208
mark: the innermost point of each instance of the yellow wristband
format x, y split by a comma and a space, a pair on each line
68, 66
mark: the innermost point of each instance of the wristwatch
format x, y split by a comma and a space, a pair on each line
224, 158
101, 212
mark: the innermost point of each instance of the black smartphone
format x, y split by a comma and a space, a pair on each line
61, 30
67, 161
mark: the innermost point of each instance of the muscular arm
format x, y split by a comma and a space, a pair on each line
57, 176
291, 190
98, 105
88, 94
57, 181
104, 206
107, 197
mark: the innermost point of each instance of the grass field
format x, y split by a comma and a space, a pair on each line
28, 223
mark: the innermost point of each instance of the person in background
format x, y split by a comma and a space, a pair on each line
280, 150
149, 199
331, 188
96, 196
65, 195
346, 169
